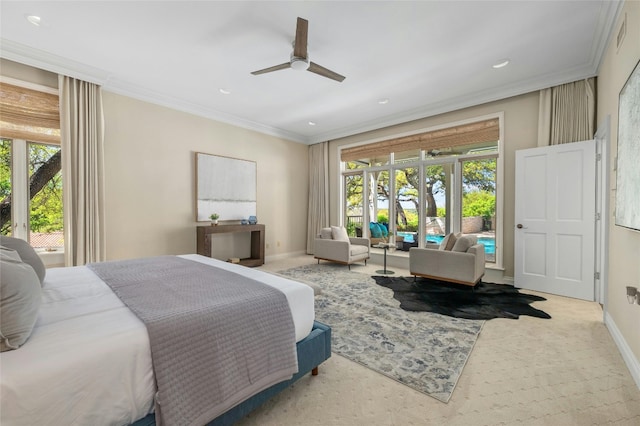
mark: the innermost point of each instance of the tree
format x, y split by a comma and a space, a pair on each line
45, 188
477, 176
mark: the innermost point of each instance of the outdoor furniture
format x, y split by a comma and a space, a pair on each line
462, 264
335, 245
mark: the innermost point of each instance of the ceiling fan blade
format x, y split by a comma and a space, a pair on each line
300, 43
320, 70
274, 68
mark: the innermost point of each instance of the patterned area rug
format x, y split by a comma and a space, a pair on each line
423, 350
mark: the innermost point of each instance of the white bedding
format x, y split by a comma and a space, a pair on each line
88, 361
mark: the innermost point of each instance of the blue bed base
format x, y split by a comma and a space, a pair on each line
312, 351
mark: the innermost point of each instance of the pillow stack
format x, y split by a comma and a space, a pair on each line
20, 291
378, 230
458, 242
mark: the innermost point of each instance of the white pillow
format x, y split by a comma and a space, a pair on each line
463, 243
27, 254
339, 233
20, 301
448, 242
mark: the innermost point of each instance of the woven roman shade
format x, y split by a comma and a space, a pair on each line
29, 114
464, 134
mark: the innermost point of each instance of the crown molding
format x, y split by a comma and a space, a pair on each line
467, 101
53, 63
40, 59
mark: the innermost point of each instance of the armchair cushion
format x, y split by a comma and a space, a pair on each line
326, 233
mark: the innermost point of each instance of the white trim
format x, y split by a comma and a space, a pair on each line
499, 178
43, 60
603, 141
632, 363
28, 85
276, 257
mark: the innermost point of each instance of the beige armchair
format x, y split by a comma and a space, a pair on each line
334, 244
463, 263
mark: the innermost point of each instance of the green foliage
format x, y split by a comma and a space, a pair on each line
478, 182
412, 222
46, 205
479, 203
351, 229
479, 175
5, 168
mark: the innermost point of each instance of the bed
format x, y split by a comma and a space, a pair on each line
88, 358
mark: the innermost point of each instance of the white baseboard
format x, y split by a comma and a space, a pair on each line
629, 358
284, 255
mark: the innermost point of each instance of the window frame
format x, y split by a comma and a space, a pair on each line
456, 202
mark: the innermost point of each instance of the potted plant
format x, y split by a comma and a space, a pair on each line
214, 218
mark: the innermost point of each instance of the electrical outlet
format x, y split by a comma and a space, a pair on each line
267, 245
278, 243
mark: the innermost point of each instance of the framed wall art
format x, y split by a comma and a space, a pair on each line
226, 186
627, 170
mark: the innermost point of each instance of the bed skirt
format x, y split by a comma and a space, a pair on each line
312, 351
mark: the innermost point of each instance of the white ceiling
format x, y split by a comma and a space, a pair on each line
425, 57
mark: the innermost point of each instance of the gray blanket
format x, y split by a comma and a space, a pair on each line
216, 337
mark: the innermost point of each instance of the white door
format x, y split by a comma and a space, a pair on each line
555, 219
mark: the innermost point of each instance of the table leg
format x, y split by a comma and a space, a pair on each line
385, 270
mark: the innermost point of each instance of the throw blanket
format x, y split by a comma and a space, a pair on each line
216, 337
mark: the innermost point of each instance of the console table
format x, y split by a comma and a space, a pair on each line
257, 241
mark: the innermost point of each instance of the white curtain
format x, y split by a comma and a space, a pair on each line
567, 113
82, 136
318, 192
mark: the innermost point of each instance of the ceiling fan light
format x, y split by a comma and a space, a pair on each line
299, 64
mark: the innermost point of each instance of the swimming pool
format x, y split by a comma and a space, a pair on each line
489, 243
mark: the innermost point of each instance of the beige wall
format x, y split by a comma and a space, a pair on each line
520, 132
624, 244
150, 175
150, 179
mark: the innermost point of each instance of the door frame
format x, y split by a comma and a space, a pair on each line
603, 141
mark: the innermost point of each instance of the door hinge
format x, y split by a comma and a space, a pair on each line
597, 216
596, 275
598, 157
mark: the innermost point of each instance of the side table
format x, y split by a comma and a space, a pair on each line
385, 247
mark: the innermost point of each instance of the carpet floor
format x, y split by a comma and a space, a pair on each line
423, 350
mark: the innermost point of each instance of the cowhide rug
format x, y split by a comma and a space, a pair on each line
483, 302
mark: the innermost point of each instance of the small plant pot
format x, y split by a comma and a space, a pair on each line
214, 222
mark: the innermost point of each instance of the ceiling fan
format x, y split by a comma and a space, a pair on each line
300, 57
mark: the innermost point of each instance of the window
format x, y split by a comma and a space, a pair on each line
30, 165
31, 195
437, 182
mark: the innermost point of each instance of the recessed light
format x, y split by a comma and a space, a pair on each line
383, 101
33, 19
501, 63
224, 91
312, 123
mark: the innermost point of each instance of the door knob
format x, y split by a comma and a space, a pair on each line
519, 226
